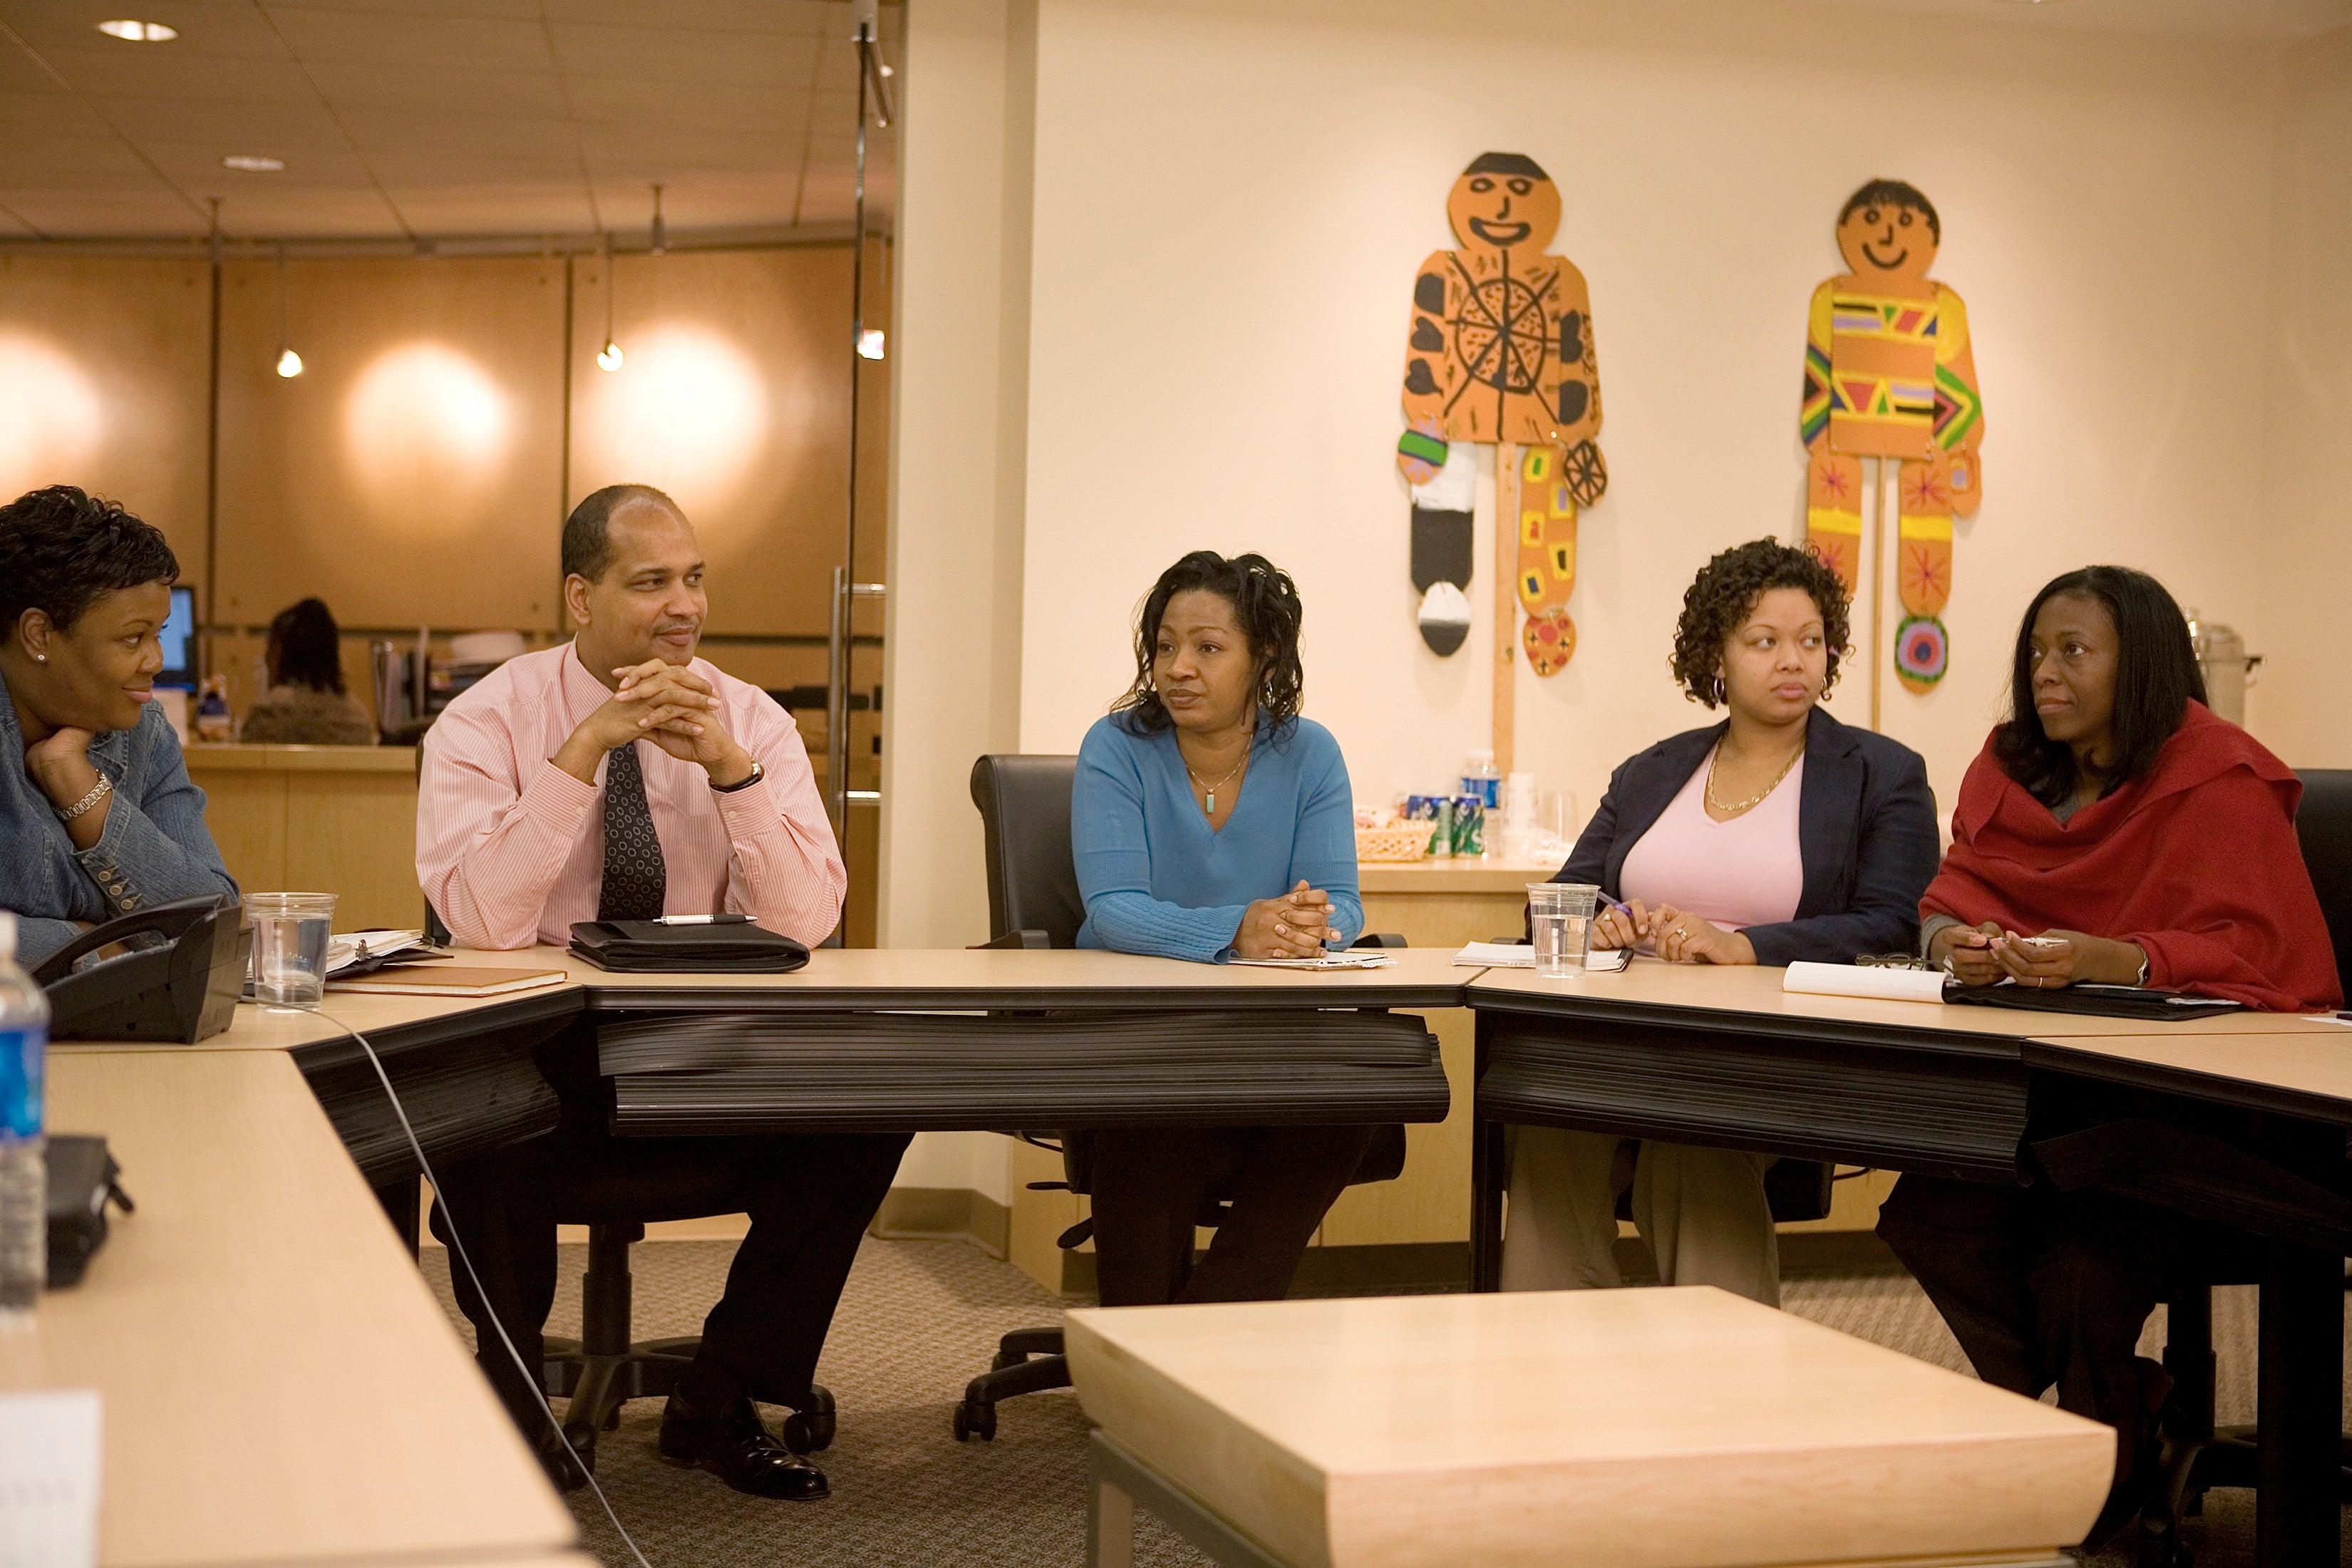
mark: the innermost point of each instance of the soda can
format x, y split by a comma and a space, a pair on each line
1440, 841
1469, 824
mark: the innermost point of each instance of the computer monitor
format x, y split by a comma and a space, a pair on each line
179, 638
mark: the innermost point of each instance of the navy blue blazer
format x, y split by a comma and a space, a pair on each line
1866, 830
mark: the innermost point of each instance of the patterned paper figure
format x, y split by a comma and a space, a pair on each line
1889, 372
1500, 350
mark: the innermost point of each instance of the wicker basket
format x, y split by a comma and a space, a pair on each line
1406, 842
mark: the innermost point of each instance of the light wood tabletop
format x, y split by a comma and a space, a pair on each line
1755, 990
1646, 1427
2302, 1066
279, 1383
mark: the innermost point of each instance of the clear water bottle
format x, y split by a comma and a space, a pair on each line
24, 1178
1481, 778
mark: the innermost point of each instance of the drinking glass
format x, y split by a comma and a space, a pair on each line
289, 946
1560, 918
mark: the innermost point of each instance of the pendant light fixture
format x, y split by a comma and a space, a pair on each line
660, 234
609, 357
289, 363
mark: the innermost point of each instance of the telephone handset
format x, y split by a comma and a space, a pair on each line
184, 991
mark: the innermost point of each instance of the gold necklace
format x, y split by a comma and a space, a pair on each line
1210, 807
1735, 809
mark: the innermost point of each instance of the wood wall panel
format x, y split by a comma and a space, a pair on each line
102, 383
412, 472
733, 396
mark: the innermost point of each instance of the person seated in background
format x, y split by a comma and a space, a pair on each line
1210, 821
620, 777
2148, 843
98, 816
307, 703
1776, 836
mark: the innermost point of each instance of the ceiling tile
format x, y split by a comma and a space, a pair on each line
234, 30
354, 85
668, 152
725, 200
197, 168
536, 208
151, 212
62, 162
379, 133
711, 106
483, 43
511, 10
40, 115
13, 225
104, 73
455, 172
656, 53
277, 130
807, 17
20, 73
315, 212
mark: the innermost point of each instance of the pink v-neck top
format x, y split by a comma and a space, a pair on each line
1748, 871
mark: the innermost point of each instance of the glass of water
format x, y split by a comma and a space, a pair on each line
289, 946
1560, 918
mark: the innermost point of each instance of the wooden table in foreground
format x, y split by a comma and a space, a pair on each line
280, 1385
1725, 1058
1666, 1429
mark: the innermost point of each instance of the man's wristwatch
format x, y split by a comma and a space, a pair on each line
754, 777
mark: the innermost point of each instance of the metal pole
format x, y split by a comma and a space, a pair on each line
836, 681
836, 706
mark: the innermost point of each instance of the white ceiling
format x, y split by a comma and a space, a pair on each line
418, 119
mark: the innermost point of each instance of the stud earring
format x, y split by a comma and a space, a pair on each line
40, 658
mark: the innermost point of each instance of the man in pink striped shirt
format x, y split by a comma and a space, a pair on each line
619, 777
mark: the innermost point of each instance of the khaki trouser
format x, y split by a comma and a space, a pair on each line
1703, 1211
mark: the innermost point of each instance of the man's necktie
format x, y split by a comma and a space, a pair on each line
634, 876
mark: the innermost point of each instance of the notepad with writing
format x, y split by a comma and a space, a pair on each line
450, 980
1365, 960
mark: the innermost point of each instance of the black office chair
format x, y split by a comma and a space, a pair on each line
1033, 902
2198, 1456
605, 1368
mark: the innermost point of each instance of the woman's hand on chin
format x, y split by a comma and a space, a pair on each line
1682, 938
61, 765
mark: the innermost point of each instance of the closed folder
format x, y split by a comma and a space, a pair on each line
641, 947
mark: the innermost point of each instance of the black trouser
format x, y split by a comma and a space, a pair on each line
2040, 1287
810, 1198
1149, 1184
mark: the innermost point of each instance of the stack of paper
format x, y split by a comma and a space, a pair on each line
1519, 956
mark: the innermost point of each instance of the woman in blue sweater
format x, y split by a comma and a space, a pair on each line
1210, 821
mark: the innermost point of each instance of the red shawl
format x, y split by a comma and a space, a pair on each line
2196, 862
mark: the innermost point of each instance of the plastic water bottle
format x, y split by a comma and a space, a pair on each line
1481, 779
23, 1177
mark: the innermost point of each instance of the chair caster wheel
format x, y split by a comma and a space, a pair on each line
809, 1431
582, 1439
975, 1420
612, 1419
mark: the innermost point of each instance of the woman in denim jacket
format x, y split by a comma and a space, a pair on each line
97, 816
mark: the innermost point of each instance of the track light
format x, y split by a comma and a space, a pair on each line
608, 358
660, 236
289, 363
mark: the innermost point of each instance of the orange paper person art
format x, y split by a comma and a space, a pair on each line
1500, 353
1889, 373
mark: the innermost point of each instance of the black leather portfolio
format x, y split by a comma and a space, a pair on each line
721, 947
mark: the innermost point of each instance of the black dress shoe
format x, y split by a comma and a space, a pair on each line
738, 1446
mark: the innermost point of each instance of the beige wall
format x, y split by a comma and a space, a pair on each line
953, 649
2305, 530
1231, 199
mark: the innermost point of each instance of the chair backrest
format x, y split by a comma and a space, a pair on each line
1024, 810
2324, 824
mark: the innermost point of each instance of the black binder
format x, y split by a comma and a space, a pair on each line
721, 947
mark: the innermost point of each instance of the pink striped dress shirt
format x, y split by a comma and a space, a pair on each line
510, 849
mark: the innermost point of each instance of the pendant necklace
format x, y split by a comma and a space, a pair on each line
1210, 807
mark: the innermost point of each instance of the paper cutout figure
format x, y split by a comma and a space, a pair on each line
1890, 373
1442, 541
1500, 350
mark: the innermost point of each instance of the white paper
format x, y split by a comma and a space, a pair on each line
1521, 955
1455, 486
50, 1443
1855, 980
343, 952
1329, 960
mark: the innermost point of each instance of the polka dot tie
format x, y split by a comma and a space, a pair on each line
634, 876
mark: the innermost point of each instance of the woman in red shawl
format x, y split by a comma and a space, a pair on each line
2145, 842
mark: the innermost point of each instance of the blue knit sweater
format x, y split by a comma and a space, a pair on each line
1157, 881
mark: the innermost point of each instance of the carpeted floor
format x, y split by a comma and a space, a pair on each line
920, 1318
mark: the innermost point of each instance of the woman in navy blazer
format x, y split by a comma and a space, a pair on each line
1776, 836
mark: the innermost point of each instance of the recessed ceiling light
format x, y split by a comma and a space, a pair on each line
254, 165
140, 32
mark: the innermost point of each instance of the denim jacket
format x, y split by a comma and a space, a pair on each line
155, 847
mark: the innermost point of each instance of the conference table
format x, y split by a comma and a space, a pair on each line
1697, 1055
1728, 1058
